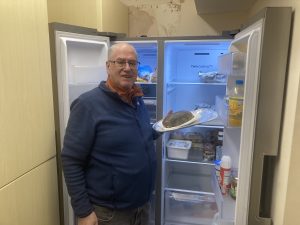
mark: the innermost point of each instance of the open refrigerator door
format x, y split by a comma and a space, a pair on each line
241, 64
80, 66
257, 59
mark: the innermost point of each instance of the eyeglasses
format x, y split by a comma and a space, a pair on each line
122, 63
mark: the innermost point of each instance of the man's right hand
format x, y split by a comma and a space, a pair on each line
88, 220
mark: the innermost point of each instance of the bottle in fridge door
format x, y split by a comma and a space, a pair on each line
236, 102
225, 174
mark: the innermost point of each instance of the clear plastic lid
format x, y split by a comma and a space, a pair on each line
226, 162
180, 144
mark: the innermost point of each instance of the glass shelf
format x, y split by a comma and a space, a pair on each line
146, 83
193, 158
195, 83
216, 123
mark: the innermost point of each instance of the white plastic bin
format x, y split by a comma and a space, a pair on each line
178, 149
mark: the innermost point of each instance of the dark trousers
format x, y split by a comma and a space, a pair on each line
138, 216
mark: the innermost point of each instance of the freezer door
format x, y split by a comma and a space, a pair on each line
265, 44
80, 66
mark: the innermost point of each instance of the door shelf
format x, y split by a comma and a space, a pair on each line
222, 110
226, 204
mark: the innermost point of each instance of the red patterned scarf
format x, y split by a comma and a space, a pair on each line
125, 94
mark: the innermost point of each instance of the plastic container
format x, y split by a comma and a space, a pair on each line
178, 149
225, 174
189, 208
236, 102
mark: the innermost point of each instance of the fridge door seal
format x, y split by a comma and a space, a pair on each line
249, 41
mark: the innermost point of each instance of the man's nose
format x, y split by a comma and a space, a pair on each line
127, 66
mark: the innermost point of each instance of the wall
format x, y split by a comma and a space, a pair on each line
74, 12
177, 18
28, 175
291, 211
114, 16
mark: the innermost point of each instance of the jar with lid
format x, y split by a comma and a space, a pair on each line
233, 183
233, 187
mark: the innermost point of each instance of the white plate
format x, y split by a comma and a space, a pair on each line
200, 116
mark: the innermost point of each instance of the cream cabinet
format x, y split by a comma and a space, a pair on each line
28, 182
103, 15
31, 199
220, 6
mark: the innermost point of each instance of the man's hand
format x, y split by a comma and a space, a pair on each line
88, 220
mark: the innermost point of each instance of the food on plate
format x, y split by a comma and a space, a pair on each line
177, 118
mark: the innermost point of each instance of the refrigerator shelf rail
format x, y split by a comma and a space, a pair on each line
195, 83
192, 161
189, 191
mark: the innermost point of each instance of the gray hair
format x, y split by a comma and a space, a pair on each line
112, 49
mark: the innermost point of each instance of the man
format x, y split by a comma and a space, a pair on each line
108, 154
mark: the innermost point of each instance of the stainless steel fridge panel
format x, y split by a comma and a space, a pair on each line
159, 149
273, 65
59, 65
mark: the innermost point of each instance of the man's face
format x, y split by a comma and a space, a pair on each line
122, 67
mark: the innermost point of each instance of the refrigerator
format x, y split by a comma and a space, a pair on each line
186, 73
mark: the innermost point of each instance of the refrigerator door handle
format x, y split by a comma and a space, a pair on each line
261, 190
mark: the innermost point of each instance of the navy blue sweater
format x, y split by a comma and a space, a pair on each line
108, 153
